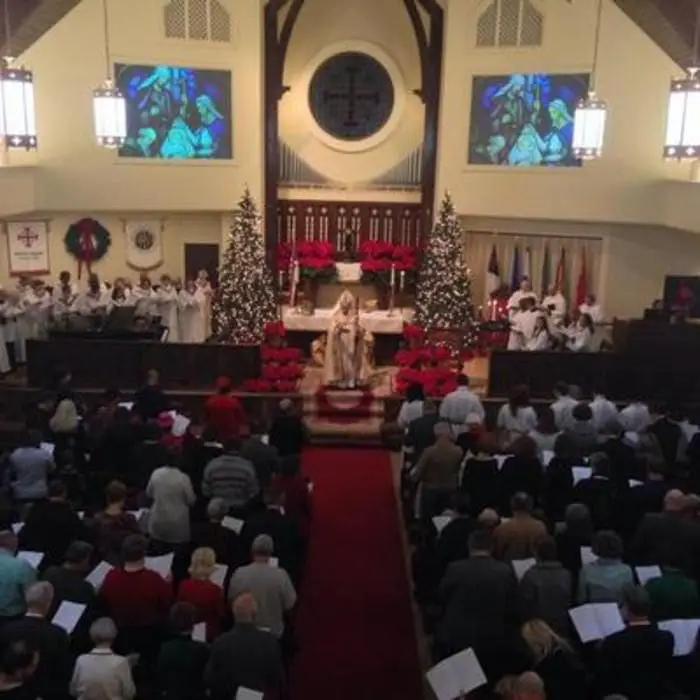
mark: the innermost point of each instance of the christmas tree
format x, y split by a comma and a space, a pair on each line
444, 295
245, 300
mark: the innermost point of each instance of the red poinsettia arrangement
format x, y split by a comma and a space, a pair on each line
282, 366
316, 259
378, 257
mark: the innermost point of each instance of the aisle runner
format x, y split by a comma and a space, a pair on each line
355, 625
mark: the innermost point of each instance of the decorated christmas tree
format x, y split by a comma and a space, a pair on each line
245, 299
444, 295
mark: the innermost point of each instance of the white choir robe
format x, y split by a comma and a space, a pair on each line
539, 341
595, 311
167, 310
522, 329
559, 311
88, 303
206, 292
58, 290
63, 305
604, 411
4, 357
580, 340
515, 299
145, 300
636, 417
191, 311
40, 313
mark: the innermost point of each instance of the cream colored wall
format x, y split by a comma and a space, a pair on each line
178, 229
634, 76
634, 259
68, 62
379, 27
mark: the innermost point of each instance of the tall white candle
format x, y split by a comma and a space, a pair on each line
402, 280
393, 275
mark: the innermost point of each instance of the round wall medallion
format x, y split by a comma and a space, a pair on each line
351, 96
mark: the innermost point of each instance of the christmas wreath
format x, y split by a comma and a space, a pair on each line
87, 241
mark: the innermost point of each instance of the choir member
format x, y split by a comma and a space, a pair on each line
145, 298
167, 307
39, 311
555, 304
206, 291
191, 310
525, 292
64, 301
95, 301
522, 325
592, 308
581, 338
541, 339
64, 281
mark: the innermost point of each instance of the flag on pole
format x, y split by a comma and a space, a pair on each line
515, 273
546, 264
493, 273
582, 283
527, 264
560, 279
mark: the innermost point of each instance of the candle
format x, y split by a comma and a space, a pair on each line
393, 275
281, 279
402, 280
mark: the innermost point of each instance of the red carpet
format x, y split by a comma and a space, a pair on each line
354, 624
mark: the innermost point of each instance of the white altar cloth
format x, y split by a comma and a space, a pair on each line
373, 321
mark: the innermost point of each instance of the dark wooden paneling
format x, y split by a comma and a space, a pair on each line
123, 364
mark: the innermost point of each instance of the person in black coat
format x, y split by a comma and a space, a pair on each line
213, 535
481, 479
637, 661
53, 674
51, 526
453, 542
197, 453
420, 433
288, 432
520, 473
150, 400
245, 657
576, 532
182, 661
600, 493
264, 458
558, 482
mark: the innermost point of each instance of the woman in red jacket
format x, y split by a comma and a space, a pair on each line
206, 596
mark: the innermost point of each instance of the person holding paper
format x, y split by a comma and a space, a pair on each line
114, 524
635, 662
245, 657
138, 600
232, 478
576, 533
53, 673
15, 576
517, 417
604, 580
558, 482
182, 660
599, 492
28, 469
102, 673
674, 595
563, 404
264, 458
516, 538
173, 496
458, 405
203, 594
480, 478
582, 430
212, 534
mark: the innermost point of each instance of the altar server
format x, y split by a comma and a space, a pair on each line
191, 311
525, 292
554, 304
166, 298
206, 292
591, 307
522, 324
581, 338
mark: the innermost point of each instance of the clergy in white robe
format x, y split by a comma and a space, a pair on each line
525, 292
522, 325
166, 298
346, 362
555, 304
592, 308
206, 292
190, 309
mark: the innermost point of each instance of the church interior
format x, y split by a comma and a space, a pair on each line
325, 207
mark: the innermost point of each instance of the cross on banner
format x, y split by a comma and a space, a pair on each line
27, 236
351, 96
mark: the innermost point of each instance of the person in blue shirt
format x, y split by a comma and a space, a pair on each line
29, 469
15, 577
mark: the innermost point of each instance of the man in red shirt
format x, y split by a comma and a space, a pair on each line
224, 413
138, 600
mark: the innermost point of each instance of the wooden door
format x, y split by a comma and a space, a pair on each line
202, 256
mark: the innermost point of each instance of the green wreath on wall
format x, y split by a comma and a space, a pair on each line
87, 241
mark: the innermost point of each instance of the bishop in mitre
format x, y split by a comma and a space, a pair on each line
347, 363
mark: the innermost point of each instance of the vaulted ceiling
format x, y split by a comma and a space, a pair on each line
671, 23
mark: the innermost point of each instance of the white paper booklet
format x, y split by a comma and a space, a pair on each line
587, 556
500, 459
48, 447
32, 558
441, 522
456, 676
199, 632
97, 576
248, 694
233, 524
547, 457
595, 621
68, 615
581, 473
684, 634
646, 573
522, 566
161, 565
219, 575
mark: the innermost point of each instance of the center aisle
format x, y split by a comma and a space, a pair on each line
354, 622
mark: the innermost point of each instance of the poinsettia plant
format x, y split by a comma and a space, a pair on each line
377, 258
282, 366
316, 259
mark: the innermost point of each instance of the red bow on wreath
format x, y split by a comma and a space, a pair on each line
86, 241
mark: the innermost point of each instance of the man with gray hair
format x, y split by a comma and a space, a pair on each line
53, 674
102, 673
270, 586
437, 471
529, 686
